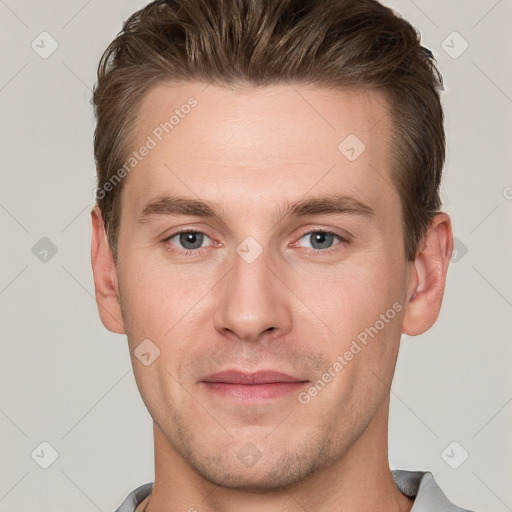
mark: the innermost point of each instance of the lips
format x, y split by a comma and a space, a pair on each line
254, 378
252, 387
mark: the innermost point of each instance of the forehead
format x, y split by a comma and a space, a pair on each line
268, 142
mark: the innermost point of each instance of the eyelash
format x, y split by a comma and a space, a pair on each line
195, 252
319, 252
186, 252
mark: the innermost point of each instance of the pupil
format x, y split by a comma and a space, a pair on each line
322, 240
191, 240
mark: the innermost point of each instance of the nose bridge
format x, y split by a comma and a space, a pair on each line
251, 278
252, 298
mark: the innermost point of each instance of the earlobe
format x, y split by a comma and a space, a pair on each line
428, 277
105, 276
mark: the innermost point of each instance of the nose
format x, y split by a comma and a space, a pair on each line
253, 301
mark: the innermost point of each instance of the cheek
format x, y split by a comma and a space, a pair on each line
142, 304
362, 305
158, 306
353, 297
159, 300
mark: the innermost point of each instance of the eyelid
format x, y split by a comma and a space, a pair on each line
346, 237
175, 249
305, 232
186, 230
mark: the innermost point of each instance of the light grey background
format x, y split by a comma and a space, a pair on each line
67, 381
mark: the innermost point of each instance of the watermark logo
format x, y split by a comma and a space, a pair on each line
344, 359
146, 352
351, 147
454, 455
44, 45
249, 454
44, 455
249, 249
44, 250
152, 140
459, 250
454, 45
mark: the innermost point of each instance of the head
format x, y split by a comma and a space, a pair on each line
300, 145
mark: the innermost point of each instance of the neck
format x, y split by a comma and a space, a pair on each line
358, 481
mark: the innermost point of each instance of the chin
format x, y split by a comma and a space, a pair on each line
249, 470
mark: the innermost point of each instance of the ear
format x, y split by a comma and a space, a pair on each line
105, 276
428, 277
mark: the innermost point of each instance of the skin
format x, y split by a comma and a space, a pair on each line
295, 308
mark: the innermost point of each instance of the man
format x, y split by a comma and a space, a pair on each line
267, 227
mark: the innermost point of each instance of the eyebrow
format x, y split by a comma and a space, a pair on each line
325, 205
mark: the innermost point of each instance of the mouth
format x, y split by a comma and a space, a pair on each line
256, 386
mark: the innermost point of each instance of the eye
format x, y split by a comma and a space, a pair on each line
188, 240
319, 240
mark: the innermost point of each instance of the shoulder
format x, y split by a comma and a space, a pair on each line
422, 486
135, 498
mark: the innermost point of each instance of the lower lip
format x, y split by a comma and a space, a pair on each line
254, 392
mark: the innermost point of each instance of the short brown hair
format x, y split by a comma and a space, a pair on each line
334, 43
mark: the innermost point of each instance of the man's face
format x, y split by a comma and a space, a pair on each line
261, 285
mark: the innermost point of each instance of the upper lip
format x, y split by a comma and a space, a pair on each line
258, 377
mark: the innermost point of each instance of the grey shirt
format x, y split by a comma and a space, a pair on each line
415, 484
